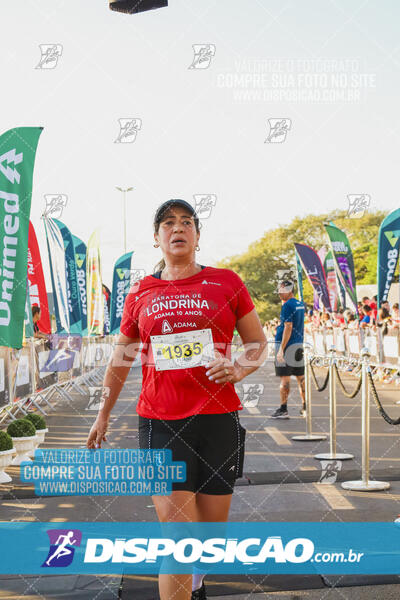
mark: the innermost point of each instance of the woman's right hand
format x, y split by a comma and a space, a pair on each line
97, 434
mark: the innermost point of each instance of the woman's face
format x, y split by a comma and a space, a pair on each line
177, 233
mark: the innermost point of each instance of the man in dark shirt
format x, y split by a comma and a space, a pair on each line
289, 347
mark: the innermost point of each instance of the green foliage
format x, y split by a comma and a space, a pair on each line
21, 428
6, 442
37, 420
258, 266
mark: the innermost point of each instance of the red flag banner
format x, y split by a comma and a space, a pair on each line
37, 286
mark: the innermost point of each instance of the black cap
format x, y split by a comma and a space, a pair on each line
165, 206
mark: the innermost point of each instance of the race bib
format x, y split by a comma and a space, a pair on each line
182, 350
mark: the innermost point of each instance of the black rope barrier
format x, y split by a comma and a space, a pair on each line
352, 394
379, 406
319, 388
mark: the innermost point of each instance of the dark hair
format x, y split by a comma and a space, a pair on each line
384, 313
365, 298
159, 216
35, 310
396, 305
367, 308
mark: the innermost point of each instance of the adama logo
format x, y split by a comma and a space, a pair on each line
210, 282
62, 542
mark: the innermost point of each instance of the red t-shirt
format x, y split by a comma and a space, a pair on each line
212, 299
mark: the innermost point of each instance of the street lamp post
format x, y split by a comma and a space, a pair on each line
124, 192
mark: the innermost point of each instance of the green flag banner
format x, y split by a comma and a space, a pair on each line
343, 257
388, 253
17, 158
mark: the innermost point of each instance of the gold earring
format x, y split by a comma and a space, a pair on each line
197, 247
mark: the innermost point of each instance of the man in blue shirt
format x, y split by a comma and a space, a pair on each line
289, 347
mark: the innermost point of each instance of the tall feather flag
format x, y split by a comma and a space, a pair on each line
95, 302
314, 270
36, 282
58, 274
73, 294
80, 261
388, 253
121, 285
344, 263
17, 158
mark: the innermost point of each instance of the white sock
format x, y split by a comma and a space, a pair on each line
197, 580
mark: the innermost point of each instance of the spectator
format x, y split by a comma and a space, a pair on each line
395, 315
326, 321
374, 307
366, 321
384, 320
36, 314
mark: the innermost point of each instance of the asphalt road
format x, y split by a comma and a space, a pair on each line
280, 483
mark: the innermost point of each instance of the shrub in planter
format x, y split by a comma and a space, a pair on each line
21, 428
37, 420
41, 430
24, 437
6, 455
5, 441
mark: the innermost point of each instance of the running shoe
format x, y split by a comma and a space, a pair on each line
200, 594
303, 411
280, 413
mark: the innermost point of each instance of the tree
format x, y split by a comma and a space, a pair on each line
259, 265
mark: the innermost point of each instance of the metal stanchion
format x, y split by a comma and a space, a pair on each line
332, 414
309, 437
365, 485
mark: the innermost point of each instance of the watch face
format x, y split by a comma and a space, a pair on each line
136, 6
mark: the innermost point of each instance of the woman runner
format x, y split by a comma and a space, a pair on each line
193, 410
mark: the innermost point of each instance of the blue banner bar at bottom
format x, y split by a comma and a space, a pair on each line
247, 548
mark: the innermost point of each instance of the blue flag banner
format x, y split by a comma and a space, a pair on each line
73, 293
238, 547
388, 253
80, 261
120, 289
314, 270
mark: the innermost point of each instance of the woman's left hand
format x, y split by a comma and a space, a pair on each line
221, 370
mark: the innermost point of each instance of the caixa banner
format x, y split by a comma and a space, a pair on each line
247, 548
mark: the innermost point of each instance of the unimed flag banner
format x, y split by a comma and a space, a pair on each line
344, 262
95, 302
80, 261
36, 281
73, 294
17, 157
388, 253
314, 270
120, 289
55, 247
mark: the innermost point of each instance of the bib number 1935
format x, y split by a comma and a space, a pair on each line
182, 350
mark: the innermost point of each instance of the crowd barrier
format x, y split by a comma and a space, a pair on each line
384, 349
363, 367
43, 371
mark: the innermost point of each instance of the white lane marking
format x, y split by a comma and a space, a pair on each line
333, 496
278, 436
253, 410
